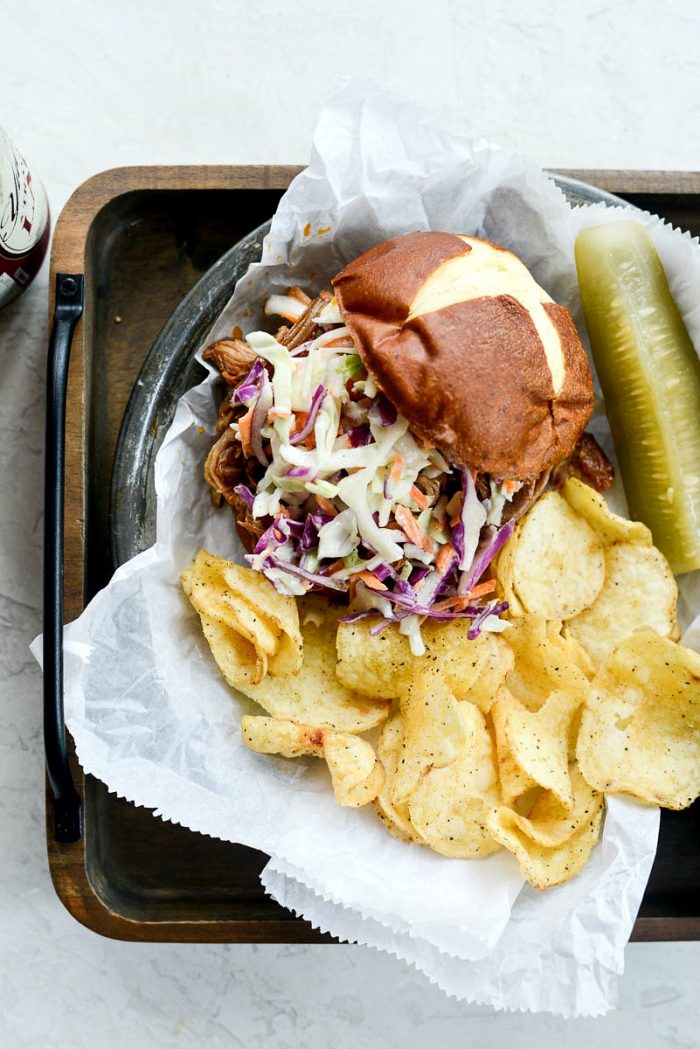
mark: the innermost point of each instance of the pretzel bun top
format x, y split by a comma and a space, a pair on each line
470, 349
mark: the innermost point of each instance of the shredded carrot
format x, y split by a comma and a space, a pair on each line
342, 341
409, 525
396, 469
486, 587
457, 514
444, 557
455, 604
244, 427
299, 422
419, 498
370, 580
510, 487
352, 587
337, 566
460, 601
326, 505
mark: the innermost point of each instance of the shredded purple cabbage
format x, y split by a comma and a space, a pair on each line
493, 608
326, 582
250, 386
386, 410
244, 493
379, 627
360, 436
262, 407
307, 428
312, 526
484, 557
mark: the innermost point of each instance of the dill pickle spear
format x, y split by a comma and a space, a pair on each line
650, 375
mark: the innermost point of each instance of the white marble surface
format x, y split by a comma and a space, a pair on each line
84, 87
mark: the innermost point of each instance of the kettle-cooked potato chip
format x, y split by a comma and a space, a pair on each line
544, 866
281, 736
570, 649
274, 608
252, 630
450, 807
539, 741
384, 666
640, 730
356, 774
548, 822
513, 780
314, 695
544, 661
238, 660
433, 728
558, 567
395, 817
590, 505
503, 568
639, 591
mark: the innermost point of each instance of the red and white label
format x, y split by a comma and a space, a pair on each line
24, 222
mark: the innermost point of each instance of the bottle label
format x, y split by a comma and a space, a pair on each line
24, 209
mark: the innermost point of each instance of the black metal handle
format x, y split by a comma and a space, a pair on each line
67, 808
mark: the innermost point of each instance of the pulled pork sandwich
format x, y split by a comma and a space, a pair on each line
384, 442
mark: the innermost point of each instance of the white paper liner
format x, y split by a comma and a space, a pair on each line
152, 718
563, 958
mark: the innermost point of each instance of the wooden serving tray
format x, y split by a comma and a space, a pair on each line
143, 237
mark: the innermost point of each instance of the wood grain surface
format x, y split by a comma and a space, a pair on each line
132, 876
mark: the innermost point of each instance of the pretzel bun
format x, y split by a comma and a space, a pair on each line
478, 358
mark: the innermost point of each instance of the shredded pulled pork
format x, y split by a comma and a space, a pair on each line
589, 462
306, 327
226, 466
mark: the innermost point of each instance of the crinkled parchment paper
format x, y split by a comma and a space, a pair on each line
151, 716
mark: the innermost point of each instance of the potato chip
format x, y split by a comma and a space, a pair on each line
237, 659
640, 730
569, 648
544, 866
434, 733
590, 505
543, 660
250, 627
539, 741
281, 611
383, 666
314, 695
503, 572
558, 567
356, 774
395, 817
513, 780
639, 591
494, 667
548, 822
451, 805
281, 736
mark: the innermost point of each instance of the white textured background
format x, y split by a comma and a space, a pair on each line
86, 86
